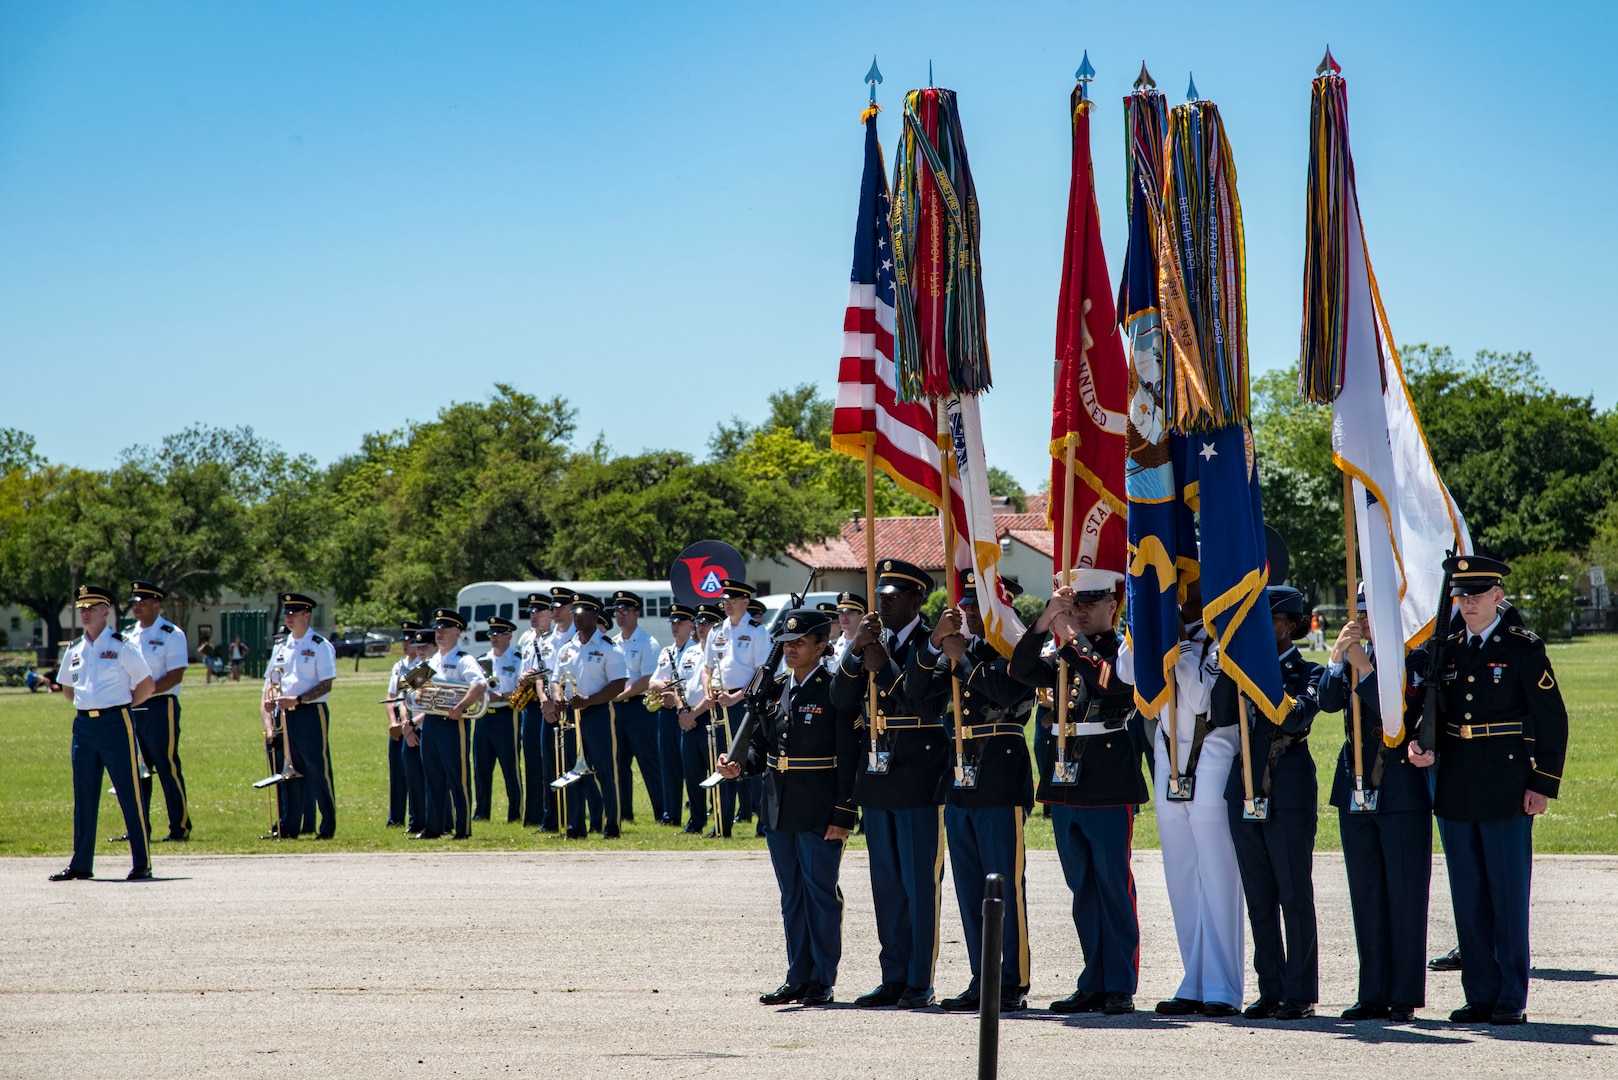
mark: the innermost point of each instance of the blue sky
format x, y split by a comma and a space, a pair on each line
323, 220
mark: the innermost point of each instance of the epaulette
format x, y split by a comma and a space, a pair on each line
782, 678
753, 622
167, 628
1523, 632
1458, 635
318, 639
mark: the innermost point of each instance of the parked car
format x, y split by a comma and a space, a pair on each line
362, 643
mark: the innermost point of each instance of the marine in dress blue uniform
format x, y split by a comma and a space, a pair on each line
589, 674
494, 734
103, 675
400, 808
635, 724
445, 741
1501, 744
304, 665
1276, 855
157, 719
1387, 852
988, 800
676, 663
806, 749
1093, 818
900, 784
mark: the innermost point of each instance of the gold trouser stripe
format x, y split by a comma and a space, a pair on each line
463, 739
612, 751
938, 894
134, 783
174, 769
1014, 895
516, 761
325, 750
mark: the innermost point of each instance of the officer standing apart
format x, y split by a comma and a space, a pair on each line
589, 674
443, 735
1093, 817
807, 750
494, 734
900, 784
636, 725
676, 664
1276, 855
1387, 850
1502, 740
305, 666
157, 719
989, 798
103, 675
534, 647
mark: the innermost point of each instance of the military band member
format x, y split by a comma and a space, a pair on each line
1093, 818
636, 725
157, 719
399, 808
739, 645
808, 752
701, 714
444, 741
103, 675
1276, 855
1199, 856
676, 663
1501, 743
589, 674
900, 785
1388, 851
304, 665
425, 642
539, 809
494, 734
987, 805
850, 609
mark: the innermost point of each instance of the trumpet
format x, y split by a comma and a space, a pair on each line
272, 694
438, 697
581, 768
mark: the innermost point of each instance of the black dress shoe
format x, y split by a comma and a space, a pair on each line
1473, 1012
784, 994
1295, 1010
1218, 1010
694, 829
576, 834
1450, 961
425, 835
457, 836
1401, 1014
1179, 1007
1013, 1000
480, 817
916, 997
817, 994
883, 996
1362, 1011
611, 834
140, 873
1080, 1002
965, 1001
175, 838
1505, 1017
1118, 1003
1262, 1009
71, 874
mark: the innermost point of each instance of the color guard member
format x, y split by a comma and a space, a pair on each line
304, 666
494, 734
157, 719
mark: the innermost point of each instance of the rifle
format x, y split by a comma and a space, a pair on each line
1437, 646
760, 696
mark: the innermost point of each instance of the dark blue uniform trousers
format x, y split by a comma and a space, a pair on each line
415, 777
1276, 860
157, 730
806, 866
398, 787
599, 789
448, 775
105, 743
697, 765
1389, 859
494, 740
671, 765
637, 742
538, 759
906, 851
1490, 864
1093, 843
982, 841
306, 731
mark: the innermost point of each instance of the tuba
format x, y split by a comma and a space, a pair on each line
429, 695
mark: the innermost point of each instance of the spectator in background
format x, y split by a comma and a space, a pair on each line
206, 653
238, 657
1317, 631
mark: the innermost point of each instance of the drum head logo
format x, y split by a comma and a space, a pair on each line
696, 574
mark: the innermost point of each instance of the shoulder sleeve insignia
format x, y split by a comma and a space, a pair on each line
1546, 681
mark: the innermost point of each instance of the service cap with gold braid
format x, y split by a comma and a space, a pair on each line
145, 590
408, 629
826, 606
292, 603
561, 596
896, 575
585, 604
447, 618
682, 611
969, 587
1470, 575
736, 590
710, 613
755, 608
91, 595
623, 598
497, 625
536, 600
851, 601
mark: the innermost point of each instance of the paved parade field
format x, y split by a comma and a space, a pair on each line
582, 964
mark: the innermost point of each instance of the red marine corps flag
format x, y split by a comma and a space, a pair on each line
1087, 512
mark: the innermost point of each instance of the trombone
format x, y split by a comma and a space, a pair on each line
581, 768
278, 721
717, 714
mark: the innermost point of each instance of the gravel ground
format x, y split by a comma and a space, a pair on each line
620, 964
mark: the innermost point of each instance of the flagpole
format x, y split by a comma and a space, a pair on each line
870, 564
1064, 577
1357, 799
946, 457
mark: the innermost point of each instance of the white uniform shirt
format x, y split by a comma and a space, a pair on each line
588, 666
505, 669
459, 666
396, 676
740, 650
834, 655
103, 673
163, 646
554, 641
640, 653
675, 663
303, 663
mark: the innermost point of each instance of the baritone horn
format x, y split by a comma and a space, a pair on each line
436, 696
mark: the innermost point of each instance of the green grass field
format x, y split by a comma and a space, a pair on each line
221, 747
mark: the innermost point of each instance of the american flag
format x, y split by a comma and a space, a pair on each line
868, 410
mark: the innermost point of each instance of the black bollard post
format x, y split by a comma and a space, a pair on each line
994, 922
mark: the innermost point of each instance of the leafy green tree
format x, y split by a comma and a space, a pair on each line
1302, 490
40, 512
1541, 586
17, 451
1003, 485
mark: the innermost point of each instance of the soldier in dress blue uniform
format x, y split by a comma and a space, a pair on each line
900, 783
444, 741
304, 666
807, 752
1275, 855
157, 719
534, 647
400, 807
1386, 851
636, 725
676, 663
1094, 817
990, 792
589, 672
494, 734
1501, 743
103, 675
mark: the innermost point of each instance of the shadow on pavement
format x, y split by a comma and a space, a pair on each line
1570, 975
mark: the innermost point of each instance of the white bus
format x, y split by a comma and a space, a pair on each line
481, 600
